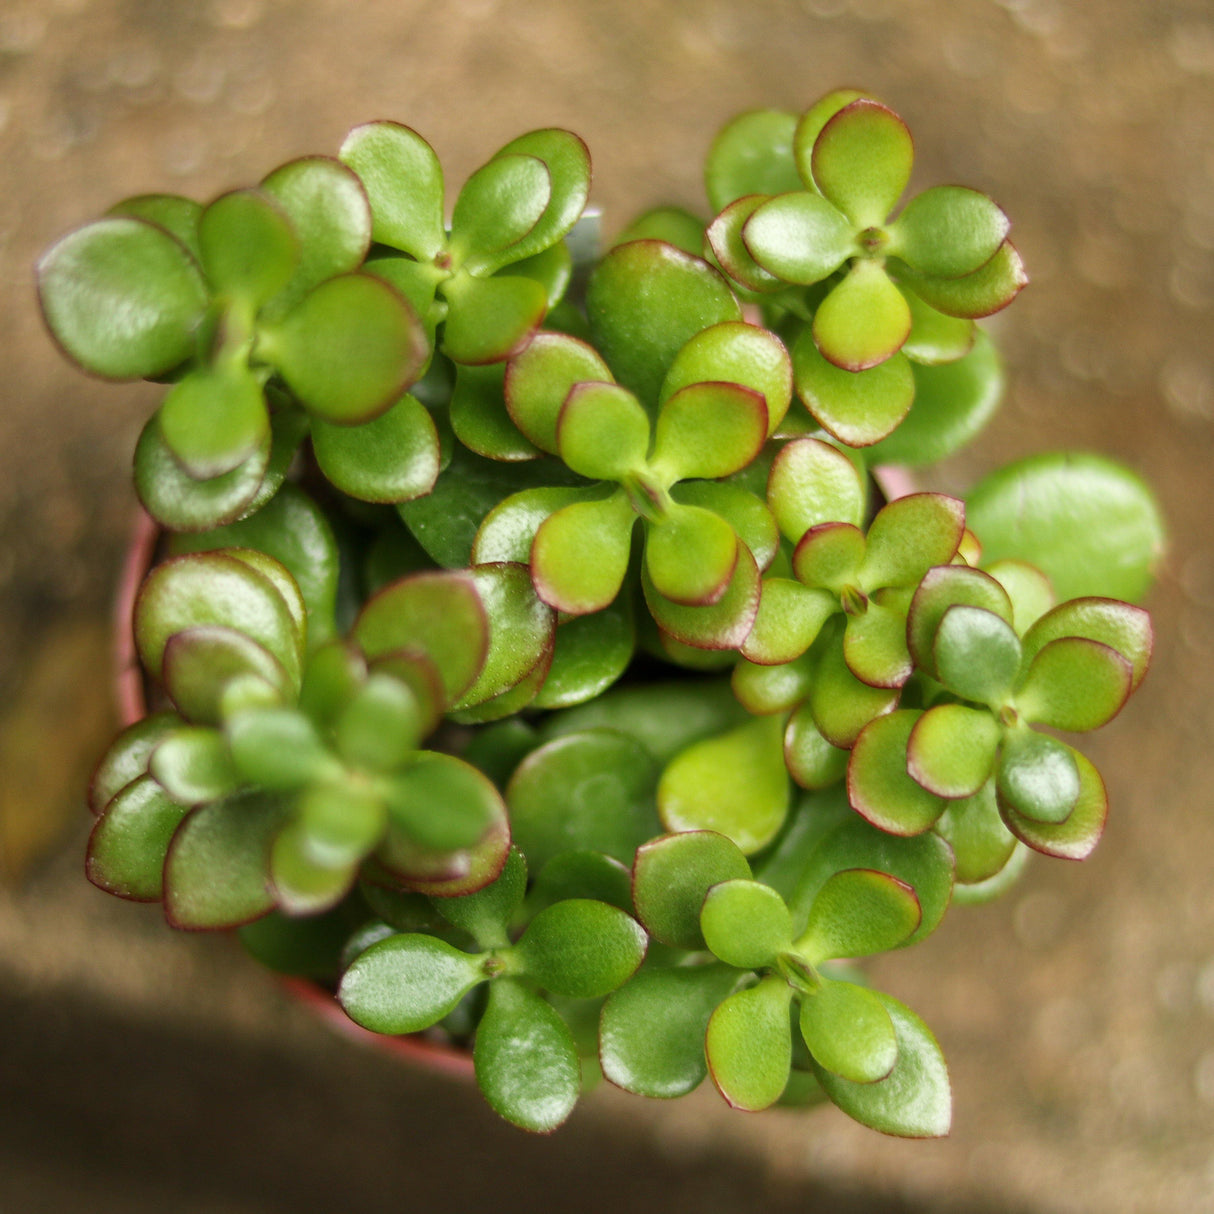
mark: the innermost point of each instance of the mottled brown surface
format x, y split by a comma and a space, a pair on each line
141, 1070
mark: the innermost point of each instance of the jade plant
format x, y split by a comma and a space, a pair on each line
543, 652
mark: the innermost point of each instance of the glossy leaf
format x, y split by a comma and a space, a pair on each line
130, 840
878, 784
490, 318
248, 246
862, 161
985, 291
591, 652
951, 750
842, 705
874, 644
810, 124
127, 757
583, 874
203, 665
406, 983
602, 432
864, 320
942, 588
486, 914
915, 1099
1077, 836
216, 874
122, 298
857, 407
1091, 525
811, 760
192, 765
812, 482
952, 403
752, 154
478, 414
673, 225
936, 339
1074, 684
508, 530
746, 513
745, 923
709, 430
651, 1038
849, 1032
830, 556
645, 301
799, 237
580, 554
728, 244
590, 790
977, 654
789, 619
539, 378
734, 784
214, 420
948, 231
909, 536
498, 205
1038, 777
691, 555
671, 877
581, 948
724, 624
177, 215
857, 913
1121, 627
981, 843
404, 183
749, 1047
1029, 590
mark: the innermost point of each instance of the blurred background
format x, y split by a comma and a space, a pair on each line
142, 1070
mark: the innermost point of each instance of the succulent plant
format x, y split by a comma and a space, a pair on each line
534, 661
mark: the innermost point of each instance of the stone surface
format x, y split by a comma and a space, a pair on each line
141, 1070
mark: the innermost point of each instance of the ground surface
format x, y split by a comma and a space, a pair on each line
142, 1071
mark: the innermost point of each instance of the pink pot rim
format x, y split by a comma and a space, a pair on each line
131, 700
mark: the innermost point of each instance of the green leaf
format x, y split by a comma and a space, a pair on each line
849, 1032
651, 1037
406, 983
508, 530
1077, 836
857, 913
951, 751
127, 757
942, 588
602, 432
567, 161
479, 418
985, 291
671, 877
202, 666
981, 843
486, 914
1074, 684
439, 613
581, 948
526, 1062
248, 247
490, 318
799, 237
752, 154
734, 784
749, 1046
745, 923
216, 874
862, 161
936, 339
583, 874
878, 784
727, 242
1028, 588
178, 216
220, 589
864, 320
391, 458
122, 298
948, 231
591, 652
909, 536
580, 554
977, 654
130, 840
552, 269
708, 430
859, 408
691, 555
830, 556
810, 124
539, 378
328, 210
589, 790
952, 403
302, 883
874, 643
645, 301
841, 704
744, 511
214, 420
192, 765
348, 349
404, 183
811, 760
1118, 625
336, 825
673, 225
812, 482
1091, 525
915, 1099
789, 619
498, 205
1038, 777
278, 748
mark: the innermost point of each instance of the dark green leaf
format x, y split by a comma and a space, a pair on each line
127, 757
591, 652
752, 154
490, 318
479, 418
1076, 836
249, 248
942, 588
442, 802
486, 914
130, 840
977, 655
1037, 776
